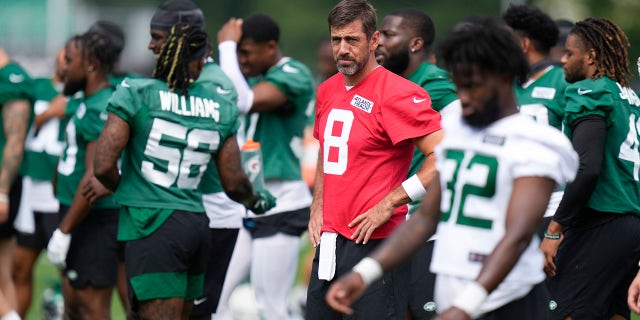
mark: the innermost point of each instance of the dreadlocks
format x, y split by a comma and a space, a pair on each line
99, 46
610, 45
184, 45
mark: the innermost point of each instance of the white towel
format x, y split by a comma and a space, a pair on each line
327, 260
25, 222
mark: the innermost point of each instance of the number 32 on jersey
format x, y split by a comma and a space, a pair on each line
468, 175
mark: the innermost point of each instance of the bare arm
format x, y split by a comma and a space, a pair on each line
234, 181
633, 295
315, 220
56, 109
113, 139
4, 58
381, 212
409, 236
15, 119
266, 97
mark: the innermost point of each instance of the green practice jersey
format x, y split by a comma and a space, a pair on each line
15, 84
116, 79
280, 131
173, 138
213, 73
43, 146
442, 92
617, 189
84, 127
543, 97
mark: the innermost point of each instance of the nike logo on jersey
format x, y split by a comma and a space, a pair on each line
583, 92
16, 78
199, 301
222, 91
81, 111
124, 84
289, 69
362, 103
104, 116
415, 100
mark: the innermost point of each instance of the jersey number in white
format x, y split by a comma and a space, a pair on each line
537, 111
630, 148
68, 159
342, 120
178, 154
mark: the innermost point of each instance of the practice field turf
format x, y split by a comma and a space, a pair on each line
46, 275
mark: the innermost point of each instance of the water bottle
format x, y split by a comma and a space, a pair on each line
252, 163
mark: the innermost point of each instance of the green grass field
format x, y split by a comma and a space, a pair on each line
46, 275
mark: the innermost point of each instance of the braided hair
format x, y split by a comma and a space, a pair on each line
99, 46
610, 45
486, 44
184, 45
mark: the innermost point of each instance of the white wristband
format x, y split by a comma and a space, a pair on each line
369, 269
12, 315
470, 299
414, 188
4, 197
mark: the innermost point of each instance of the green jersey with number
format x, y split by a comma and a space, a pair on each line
213, 74
15, 84
43, 146
84, 127
173, 138
543, 97
618, 184
442, 93
280, 131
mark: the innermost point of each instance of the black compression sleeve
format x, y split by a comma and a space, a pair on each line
589, 136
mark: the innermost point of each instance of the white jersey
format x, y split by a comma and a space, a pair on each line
477, 172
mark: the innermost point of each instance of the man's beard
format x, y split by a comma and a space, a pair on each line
72, 87
397, 63
490, 114
357, 66
573, 75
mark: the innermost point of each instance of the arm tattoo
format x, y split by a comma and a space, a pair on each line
15, 119
113, 139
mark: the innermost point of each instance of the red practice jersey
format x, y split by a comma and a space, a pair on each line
365, 140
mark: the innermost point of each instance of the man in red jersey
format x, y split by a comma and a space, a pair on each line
368, 121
